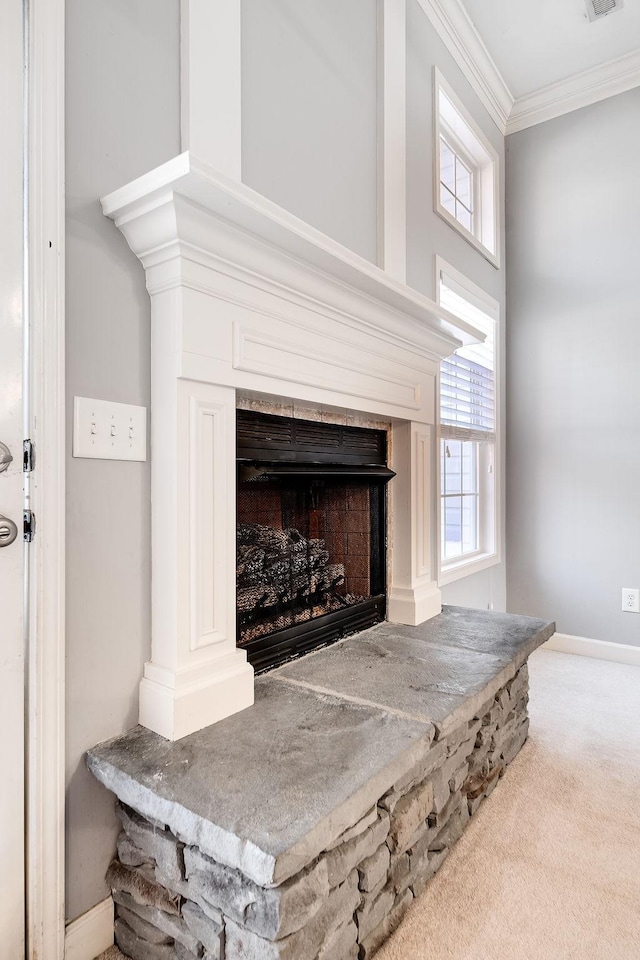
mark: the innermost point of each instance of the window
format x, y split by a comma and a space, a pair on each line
466, 173
468, 434
457, 189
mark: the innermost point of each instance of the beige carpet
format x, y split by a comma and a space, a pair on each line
549, 868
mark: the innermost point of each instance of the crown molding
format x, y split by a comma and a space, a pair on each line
580, 90
458, 33
456, 30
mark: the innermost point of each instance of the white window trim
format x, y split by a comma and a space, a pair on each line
488, 173
466, 566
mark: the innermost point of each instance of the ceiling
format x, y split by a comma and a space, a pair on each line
535, 43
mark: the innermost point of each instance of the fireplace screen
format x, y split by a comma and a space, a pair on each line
310, 540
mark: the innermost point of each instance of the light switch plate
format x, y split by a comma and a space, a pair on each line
103, 430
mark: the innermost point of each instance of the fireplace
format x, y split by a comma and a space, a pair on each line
311, 534
248, 301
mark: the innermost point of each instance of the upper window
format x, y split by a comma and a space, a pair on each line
457, 189
468, 501
466, 173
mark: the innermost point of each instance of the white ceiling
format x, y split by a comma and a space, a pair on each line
538, 42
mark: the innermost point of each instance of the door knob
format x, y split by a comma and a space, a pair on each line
5, 457
8, 531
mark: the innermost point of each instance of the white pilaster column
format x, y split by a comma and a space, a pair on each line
210, 83
392, 138
413, 595
196, 674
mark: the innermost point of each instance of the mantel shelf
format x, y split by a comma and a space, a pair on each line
233, 203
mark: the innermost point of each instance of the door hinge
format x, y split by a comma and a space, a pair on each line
28, 456
29, 525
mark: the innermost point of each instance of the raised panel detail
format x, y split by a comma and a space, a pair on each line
422, 501
211, 510
331, 366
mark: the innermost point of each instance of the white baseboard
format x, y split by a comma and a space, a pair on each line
91, 934
600, 649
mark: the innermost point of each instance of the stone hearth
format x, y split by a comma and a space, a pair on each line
303, 828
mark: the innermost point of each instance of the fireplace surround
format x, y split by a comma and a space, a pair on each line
247, 299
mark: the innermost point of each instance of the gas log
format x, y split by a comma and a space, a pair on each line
277, 568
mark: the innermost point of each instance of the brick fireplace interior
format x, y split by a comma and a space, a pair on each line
311, 534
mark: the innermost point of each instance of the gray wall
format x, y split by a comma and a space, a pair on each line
122, 120
428, 234
309, 112
309, 130
573, 234
309, 92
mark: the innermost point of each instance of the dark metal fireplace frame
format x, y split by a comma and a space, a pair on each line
286, 448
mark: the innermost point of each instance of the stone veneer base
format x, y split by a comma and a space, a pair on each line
303, 828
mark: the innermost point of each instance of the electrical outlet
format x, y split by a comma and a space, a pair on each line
630, 600
103, 430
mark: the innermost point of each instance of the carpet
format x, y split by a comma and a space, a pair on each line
549, 868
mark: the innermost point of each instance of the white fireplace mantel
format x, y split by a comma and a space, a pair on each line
245, 296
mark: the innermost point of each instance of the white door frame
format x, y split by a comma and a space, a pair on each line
44, 765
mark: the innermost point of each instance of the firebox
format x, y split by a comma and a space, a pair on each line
311, 534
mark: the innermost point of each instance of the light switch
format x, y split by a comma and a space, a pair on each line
103, 430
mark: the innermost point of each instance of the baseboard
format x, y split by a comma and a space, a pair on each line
600, 649
91, 934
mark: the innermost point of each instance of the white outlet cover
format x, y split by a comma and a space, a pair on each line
103, 430
630, 600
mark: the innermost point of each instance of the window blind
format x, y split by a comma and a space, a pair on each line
467, 378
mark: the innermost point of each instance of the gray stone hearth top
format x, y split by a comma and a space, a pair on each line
268, 789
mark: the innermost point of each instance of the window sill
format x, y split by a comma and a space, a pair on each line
442, 212
465, 568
